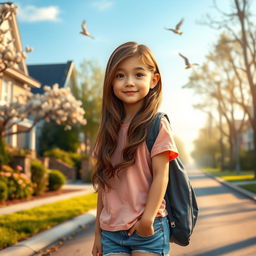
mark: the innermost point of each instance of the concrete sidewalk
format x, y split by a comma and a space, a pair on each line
83, 190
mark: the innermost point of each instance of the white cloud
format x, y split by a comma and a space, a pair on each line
32, 13
102, 5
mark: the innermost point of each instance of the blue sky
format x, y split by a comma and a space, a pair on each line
52, 28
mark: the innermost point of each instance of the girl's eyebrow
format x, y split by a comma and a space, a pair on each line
137, 68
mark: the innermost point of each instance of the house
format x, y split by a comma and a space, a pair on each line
247, 139
13, 82
48, 74
65, 76
245, 136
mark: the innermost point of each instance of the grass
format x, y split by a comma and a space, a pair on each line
238, 178
250, 187
231, 176
23, 224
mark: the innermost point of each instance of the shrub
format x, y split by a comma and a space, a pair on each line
18, 184
56, 180
4, 157
61, 155
39, 176
77, 159
3, 191
247, 160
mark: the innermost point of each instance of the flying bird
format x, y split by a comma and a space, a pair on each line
28, 49
188, 64
84, 30
176, 30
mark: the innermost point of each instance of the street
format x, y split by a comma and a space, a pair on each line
226, 224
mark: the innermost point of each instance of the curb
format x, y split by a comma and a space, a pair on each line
43, 239
246, 193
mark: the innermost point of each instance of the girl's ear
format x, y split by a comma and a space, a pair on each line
154, 80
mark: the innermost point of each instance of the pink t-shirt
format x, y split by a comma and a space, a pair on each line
126, 201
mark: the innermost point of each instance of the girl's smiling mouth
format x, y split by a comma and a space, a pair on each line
130, 91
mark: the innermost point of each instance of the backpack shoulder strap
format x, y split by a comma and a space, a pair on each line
153, 129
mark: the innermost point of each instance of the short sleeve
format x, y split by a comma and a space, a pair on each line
165, 141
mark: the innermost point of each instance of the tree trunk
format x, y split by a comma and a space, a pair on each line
222, 153
237, 153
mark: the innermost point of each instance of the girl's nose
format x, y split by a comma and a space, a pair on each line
129, 81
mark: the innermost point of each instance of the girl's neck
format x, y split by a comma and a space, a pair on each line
131, 111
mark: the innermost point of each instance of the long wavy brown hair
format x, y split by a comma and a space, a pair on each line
113, 113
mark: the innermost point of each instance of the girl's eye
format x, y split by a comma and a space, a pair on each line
140, 75
119, 75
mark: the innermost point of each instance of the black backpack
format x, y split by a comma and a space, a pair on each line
180, 197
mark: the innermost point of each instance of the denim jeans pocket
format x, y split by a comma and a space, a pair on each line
158, 227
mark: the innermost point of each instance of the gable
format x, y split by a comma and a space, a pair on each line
13, 34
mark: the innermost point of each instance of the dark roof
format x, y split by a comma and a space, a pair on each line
49, 74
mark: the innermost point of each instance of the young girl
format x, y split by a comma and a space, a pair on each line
131, 182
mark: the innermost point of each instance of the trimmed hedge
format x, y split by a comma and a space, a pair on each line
56, 180
39, 176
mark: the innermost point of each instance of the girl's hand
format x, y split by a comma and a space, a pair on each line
143, 228
97, 247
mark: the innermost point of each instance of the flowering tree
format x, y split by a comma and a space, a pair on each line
56, 104
8, 55
6, 9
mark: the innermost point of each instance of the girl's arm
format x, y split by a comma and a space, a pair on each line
160, 166
97, 229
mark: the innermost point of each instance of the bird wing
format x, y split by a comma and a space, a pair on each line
186, 59
179, 24
173, 30
84, 25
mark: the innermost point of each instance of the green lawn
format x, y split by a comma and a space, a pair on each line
250, 187
231, 176
23, 224
238, 178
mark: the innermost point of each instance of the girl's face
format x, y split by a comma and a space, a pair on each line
133, 81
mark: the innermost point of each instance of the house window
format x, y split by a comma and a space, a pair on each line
7, 91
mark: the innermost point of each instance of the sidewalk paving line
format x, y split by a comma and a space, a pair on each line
43, 239
39, 202
249, 194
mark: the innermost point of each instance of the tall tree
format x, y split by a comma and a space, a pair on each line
90, 94
242, 30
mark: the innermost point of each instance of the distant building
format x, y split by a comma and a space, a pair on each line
247, 140
49, 74
13, 83
246, 136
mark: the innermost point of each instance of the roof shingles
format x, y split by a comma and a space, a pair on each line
49, 74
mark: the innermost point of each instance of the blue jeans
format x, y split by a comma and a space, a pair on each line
114, 242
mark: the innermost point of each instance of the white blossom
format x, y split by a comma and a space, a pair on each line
56, 104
